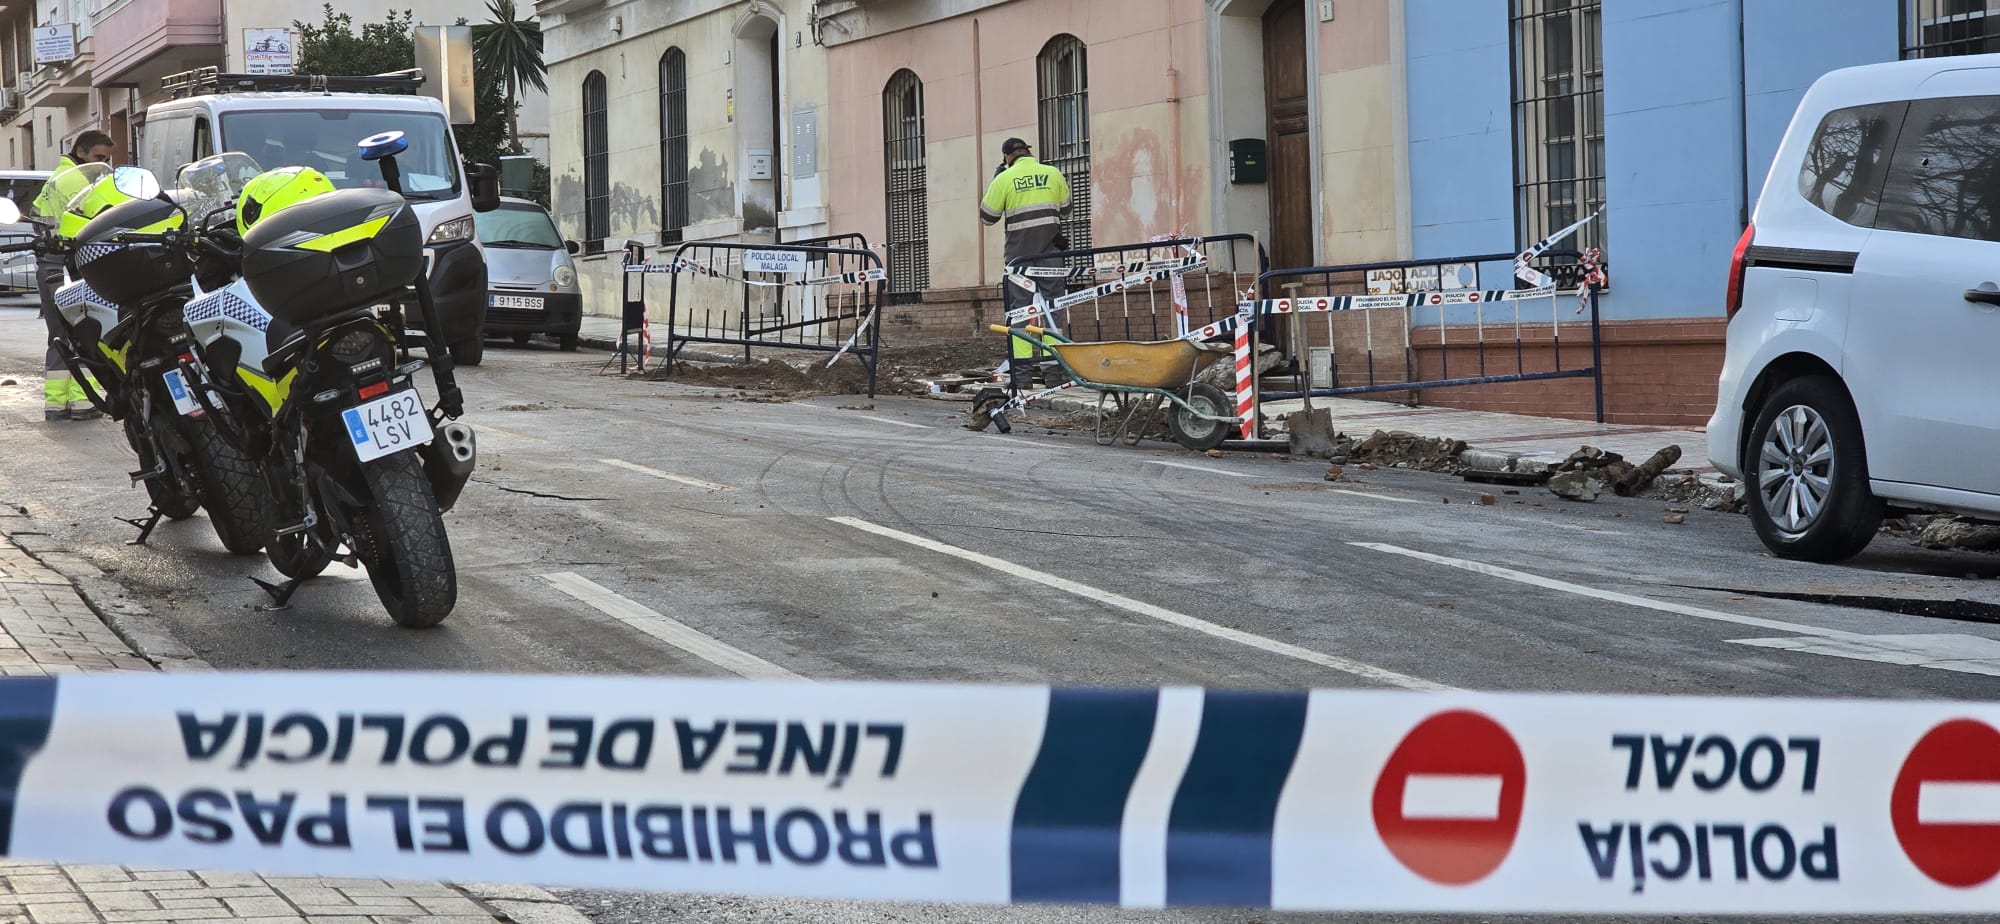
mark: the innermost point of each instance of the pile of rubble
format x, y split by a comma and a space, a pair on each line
1401, 449
1591, 471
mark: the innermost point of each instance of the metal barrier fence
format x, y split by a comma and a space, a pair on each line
1468, 319
1155, 290
798, 295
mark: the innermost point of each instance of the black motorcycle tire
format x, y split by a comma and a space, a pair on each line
232, 488
298, 556
169, 495
410, 561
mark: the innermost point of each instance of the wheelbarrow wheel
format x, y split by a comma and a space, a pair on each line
1192, 431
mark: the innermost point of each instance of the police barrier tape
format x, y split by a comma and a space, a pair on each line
693, 268
1323, 800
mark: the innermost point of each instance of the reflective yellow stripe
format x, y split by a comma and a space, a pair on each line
272, 391
328, 243
117, 357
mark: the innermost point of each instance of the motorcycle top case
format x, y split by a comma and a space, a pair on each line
333, 253
131, 273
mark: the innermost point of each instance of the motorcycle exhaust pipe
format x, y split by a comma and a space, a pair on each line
449, 461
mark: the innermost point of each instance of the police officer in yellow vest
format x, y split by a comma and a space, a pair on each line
1032, 198
63, 398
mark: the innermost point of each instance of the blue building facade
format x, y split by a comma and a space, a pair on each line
1695, 97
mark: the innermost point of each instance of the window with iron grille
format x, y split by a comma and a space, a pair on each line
909, 203
673, 146
1940, 28
1064, 90
596, 164
1558, 119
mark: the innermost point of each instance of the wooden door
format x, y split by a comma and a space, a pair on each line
1286, 81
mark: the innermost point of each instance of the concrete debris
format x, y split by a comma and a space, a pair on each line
1222, 375
1960, 533
1642, 477
1215, 453
1333, 473
1577, 485
1401, 449
1674, 518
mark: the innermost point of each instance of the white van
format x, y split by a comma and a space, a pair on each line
1864, 310
316, 122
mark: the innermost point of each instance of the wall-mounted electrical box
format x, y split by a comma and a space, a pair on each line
758, 166
1246, 160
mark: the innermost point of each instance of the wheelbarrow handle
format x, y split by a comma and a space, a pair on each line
1004, 329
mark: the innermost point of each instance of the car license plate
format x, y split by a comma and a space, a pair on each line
184, 400
387, 424
533, 302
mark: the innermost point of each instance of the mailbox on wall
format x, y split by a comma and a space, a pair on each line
1246, 160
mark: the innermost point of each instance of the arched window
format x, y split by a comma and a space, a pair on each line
1064, 90
596, 164
673, 146
909, 203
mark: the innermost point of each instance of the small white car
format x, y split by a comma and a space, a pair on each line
530, 278
1863, 364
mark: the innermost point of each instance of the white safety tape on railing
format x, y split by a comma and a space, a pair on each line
1184, 264
859, 330
691, 267
1327, 800
1535, 277
1410, 300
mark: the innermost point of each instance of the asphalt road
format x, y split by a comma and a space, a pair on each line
807, 534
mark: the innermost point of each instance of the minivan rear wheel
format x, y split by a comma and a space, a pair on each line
1808, 473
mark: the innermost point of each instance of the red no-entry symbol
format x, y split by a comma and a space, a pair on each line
1946, 804
1448, 803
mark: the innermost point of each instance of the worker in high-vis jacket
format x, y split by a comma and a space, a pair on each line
1032, 198
63, 398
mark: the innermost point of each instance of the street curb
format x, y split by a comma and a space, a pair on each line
138, 627
144, 632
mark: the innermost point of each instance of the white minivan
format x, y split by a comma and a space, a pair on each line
280, 124
1863, 362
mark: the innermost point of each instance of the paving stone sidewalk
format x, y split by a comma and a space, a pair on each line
47, 627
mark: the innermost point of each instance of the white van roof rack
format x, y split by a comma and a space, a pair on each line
209, 80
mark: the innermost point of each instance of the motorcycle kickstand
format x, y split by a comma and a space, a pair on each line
281, 594
145, 526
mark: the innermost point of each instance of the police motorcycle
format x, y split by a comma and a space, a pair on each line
306, 360
121, 322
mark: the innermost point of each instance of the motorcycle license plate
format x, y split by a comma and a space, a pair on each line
532, 302
387, 424
184, 400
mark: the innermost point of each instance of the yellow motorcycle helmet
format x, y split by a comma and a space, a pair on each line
95, 198
274, 190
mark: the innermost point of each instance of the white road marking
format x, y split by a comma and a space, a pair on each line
1142, 838
1200, 468
1965, 654
1536, 580
1379, 497
668, 476
1958, 804
899, 423
1451, 797
1331, 662
666, 629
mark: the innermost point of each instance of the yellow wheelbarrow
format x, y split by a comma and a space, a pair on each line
1137, 377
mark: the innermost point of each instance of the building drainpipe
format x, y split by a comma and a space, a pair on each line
1742, 121
979, 143
1173, 183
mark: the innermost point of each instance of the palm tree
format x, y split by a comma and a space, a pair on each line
510, 49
